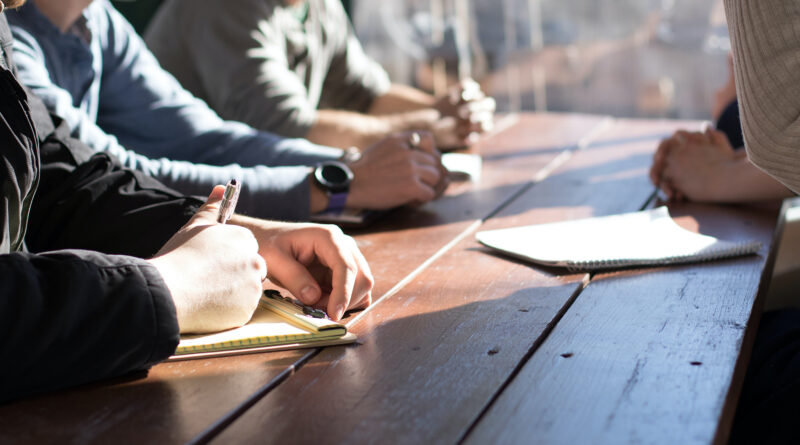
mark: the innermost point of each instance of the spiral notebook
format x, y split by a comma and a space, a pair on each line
278, 323
645, 238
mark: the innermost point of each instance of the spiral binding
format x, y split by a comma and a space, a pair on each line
715, 253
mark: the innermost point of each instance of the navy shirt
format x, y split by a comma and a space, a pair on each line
100, 77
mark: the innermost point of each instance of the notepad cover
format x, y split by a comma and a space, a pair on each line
648, 237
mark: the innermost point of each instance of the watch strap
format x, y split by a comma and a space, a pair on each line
336, 201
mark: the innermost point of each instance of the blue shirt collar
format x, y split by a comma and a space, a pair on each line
80, 29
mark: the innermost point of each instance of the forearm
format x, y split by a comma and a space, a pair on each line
744, 182
399, 99
765, 40
347, 129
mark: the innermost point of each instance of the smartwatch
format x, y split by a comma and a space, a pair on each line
334, 178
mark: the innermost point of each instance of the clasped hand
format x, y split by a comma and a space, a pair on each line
466, 113
392, 173
693, 165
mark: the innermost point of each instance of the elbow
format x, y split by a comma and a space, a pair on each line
781, 162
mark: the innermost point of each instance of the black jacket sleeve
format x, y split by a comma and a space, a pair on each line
71, 317
89, 201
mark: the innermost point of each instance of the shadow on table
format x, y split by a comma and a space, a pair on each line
176, 400
563, 189
425, 373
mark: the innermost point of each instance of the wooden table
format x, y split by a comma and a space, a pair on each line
463, 345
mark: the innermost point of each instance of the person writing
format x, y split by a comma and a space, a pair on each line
296, 68
89, 67
103, 267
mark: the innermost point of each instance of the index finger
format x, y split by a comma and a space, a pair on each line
343, 279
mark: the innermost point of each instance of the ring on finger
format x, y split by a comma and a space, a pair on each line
414, 140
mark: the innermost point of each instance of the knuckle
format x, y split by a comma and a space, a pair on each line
369, 280
333, 230
256, 262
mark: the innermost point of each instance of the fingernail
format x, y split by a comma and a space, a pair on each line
309, 294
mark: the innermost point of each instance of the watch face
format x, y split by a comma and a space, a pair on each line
334, 176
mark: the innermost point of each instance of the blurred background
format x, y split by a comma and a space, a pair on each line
627, 58
630, 58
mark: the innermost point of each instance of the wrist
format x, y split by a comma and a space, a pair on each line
333, 178
318, 198
177, 293
424, 119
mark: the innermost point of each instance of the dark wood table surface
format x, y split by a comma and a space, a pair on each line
463, 345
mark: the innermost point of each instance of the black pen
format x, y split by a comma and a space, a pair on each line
228, 204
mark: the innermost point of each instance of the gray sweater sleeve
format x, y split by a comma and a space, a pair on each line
253, 62
236, 58
765, 36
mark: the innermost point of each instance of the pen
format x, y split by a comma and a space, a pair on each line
229, 199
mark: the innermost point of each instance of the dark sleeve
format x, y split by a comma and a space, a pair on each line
72, 317
730, 124
89, 201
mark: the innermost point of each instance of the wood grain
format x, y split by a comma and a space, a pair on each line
176, 402
433, 356
400, 242
172, 403
647, 355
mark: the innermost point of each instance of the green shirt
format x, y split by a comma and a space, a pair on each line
254, 61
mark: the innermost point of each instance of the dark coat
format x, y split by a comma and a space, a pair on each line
94, 311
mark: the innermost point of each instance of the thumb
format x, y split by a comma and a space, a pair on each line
207, 213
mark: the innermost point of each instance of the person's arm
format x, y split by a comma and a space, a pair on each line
144, 109
765, 37
238, 55
89, 201
72, 317
401, 98
341, 128
453, 122
355, 82
704, 167
151, 113
273, 192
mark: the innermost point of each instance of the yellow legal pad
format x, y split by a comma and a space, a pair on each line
277, 324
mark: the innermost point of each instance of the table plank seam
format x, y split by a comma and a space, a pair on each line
540, 175
408, 278
226, 420
527, 356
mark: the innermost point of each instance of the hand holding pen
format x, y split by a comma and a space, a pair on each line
229, 200
213, 271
